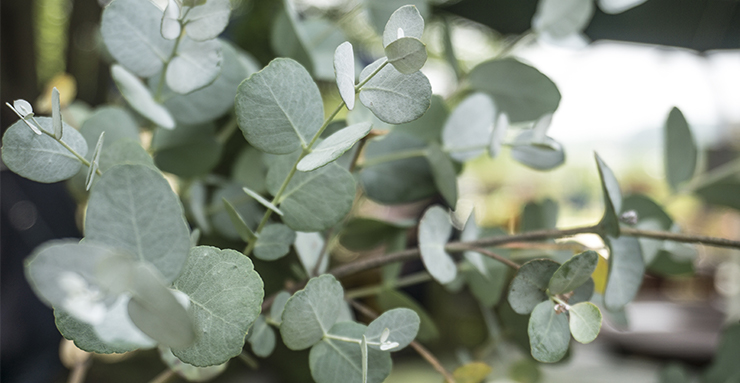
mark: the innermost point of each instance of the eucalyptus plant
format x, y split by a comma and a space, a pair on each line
141, 277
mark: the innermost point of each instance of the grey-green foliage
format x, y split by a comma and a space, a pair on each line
274, 242
562, 18
188, 151
573, 273
549, 334
138, 96
333, 146
262, 338
528, 288
469, 126
626, 269
344, 71
395, 97
115, 121
196, 65
539, 154
584, 319
406, 54
435, 228
187, 371
407, 19
311, 312
384, 15
397, 328
226, 296
247, 208
612, 198
40, 157
443, 171
680, 150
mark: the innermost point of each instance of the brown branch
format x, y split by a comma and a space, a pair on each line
491, 254
680, 237
421, 350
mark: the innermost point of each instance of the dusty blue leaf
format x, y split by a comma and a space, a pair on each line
584, 321
196, 65
274, 242
443, 171
406, 54
680, 150
434, 232
262, 338
394, 97
562, 18
468, 129
334, 146
612, 198
626, 269
406, 18
536, 155
528, 288
549, 335
311, 312
573, 273
138, 96
402, 325
207, 21
344, 71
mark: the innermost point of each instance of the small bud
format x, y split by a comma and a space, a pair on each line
629, 217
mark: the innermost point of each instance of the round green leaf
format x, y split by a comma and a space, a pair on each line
519, 90
407, 54
138, 96
585, 321
574, 272
406, 18
171, 28
344, 71
402, 324
131, 31
262, 338
207, 21
132, 207
394, 97
562, 18
40, 157
680, 150
443, 171
225, 298
311, 312
196, 65
626, 269
429, 126
312, 201
528, 287
583, 292
278, 305
468, 128
279, 108
334, 146
187, 151
548, 331
435, 228
84, 336
249, 169
115, 121
334, 361
540, 156
274, 242
390, 299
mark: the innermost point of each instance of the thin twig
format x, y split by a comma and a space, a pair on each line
491, 254
79, 372
164, 376
421, 350
680, 237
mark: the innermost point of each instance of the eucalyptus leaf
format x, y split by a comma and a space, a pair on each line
539, 156
124, 151
312, 201
548, 331
244, 231
406, 18
626, 269
56, 114
471, 232
434, 232
406, 54
541, 215
489, 287
187, 371
519, 90
429, 126
131, 32
721, 193
468, 129
573, 273
612, 198
171, 28
500, 127
94, 162
115, 121
226, 297
274, 242
275, 118
278, 305
262, 338
250, 211
402, 325
309, 247
562, 18
618, 6
528, 288
334, 146
680, 150
207, 21
389, 299
40, 157
310, 313
334, 361
267, 204
445, 176
249, 169
582, 293
132, 207
138, 96
585, 321
288, 39
344, 71
394, 97
85, 337
196, 65
188, 151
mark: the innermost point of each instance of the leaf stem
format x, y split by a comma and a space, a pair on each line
714, 175
79, 372
80, 158
164, 376
681, 237
359, 86
160, 85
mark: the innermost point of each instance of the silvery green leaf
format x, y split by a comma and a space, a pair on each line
445, 176
40, 157
519, 90
334, 361
244, 231
94, 162
117, 330
435, 228
309, 247
334, 146
398, 326
196, 65
311, 312
278, 305
22, 107
562, 18
86, 338
528, 287
171, 28
262, 338
56, 114
488, 288
618, 6
499, 134
138, 96
124, 151
531, 151
275, 118
274, 242
263, 201
247, 208
408, 20
223, 312
584, 321
115, 121
344, 71
626, 270
612, 198
583, 293
389, 299
394, 97
312, 201
311, 41
406, 54
207, 21
680, 150
214, 100
187, 371
549, 334
132, 207
131, 32
188, 151
429, 126
469, 127
470, 233
573, 273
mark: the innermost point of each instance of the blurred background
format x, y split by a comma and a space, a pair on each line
619, 79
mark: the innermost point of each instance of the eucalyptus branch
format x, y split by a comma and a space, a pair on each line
359, 86
407, 280
164, 376
160, 85
491, 254
421, 350
681, 237
79, 372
